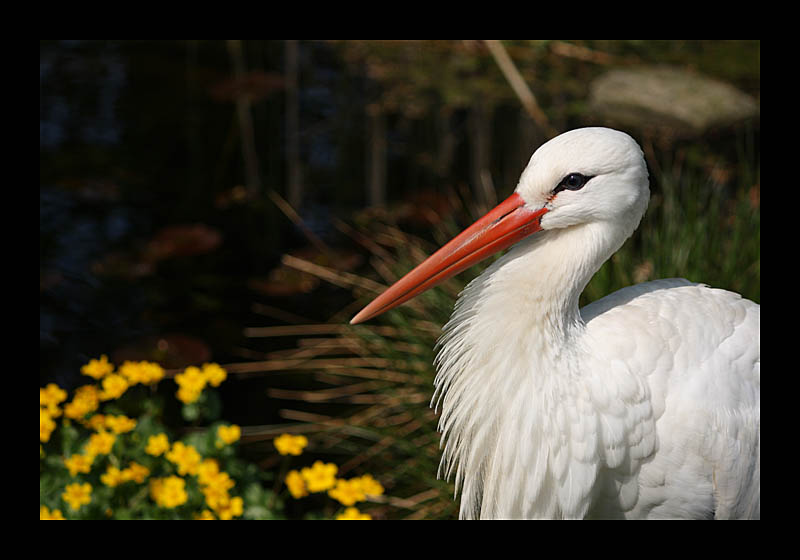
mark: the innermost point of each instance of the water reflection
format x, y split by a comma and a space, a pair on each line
78, 94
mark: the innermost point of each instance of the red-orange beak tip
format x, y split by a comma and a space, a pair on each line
360, 317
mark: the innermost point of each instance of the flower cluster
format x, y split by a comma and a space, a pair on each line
114, 384
352, 514
77, 495
46, 425
287, 444
193, 380
157, 445
214, 484
103, 456
85, 401
98, 369
50, 397
134, 472
321, 477
169, 492
46, 515
117, 459
185, 457
227, 435
146, 373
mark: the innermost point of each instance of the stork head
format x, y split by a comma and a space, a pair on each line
584, 176
587, 175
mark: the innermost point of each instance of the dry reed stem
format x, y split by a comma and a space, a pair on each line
578, 52
365, 398
380, 446
321, 395
279, 314
383, 270
336, 277
309, 417
260, 433
406, 503
518, 84
290, 213
363, 240
310, 364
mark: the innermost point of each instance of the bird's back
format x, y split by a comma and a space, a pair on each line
686, 363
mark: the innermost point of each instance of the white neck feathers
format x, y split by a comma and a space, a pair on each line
507, 364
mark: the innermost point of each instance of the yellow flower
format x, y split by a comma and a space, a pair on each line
114, 386
77, 495
135, 472
320, 476
120, 424
131, 371
207, 470
156, 445
214, 373
215, 485
168, 492
229, 434
95, 422
143, 372
187, 395
98, 369
352, 513
152, 373
185, 457
46, 425
50, 397
287, 444
79, 464
192, 378
204, 515
296, 484
216, 498
234, 508
52, 393
220, 480
100, 443
85, 400
112, 477
46, 515
368, 485
347, 492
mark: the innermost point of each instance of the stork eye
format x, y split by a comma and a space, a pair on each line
572, 182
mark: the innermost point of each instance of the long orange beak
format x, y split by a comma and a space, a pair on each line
500, 228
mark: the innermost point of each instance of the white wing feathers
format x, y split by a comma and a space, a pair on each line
654, 412
692, 420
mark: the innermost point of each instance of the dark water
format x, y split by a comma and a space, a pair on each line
139, 136
132, 142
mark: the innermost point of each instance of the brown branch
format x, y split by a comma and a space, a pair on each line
519, 86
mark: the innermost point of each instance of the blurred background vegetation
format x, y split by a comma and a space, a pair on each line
239, 201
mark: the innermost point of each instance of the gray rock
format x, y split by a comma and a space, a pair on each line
668, 100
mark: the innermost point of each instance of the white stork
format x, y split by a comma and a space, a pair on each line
644, 404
